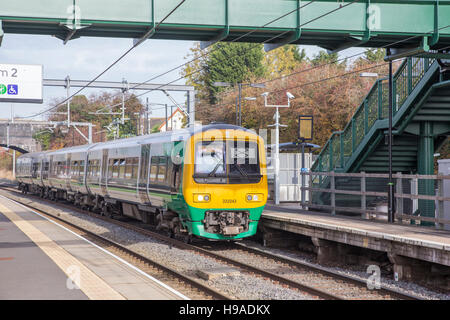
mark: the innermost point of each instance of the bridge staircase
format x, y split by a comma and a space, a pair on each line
421, 123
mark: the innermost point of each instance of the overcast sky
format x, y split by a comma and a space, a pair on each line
85, 58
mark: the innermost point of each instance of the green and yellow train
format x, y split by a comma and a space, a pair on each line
208, 181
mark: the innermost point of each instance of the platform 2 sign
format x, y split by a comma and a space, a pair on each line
21, 83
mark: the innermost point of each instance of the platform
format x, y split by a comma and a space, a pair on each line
40, 259
422, 243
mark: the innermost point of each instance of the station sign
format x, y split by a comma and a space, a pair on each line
21, 83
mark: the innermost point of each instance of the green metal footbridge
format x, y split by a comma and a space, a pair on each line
331, 24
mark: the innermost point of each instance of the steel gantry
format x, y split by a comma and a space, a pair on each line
331, 24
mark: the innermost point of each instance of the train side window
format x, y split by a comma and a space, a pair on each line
122, 166
74, 168
154, 168
162, 169
91, 168
115, 168
128, 168
135, 167
131, 170
81, 168
98, 172
110, 168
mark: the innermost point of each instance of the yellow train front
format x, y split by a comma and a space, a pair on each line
224, 187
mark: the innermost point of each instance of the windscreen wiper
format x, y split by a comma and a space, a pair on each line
241, 170
214, 170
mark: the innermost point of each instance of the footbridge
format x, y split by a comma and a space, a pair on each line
330, 24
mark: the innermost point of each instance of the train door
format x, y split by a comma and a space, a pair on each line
41, 172
176, 167
85, 169
50, 171
143, 173
104, 178
68, 175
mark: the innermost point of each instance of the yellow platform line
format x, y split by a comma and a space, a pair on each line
91, 284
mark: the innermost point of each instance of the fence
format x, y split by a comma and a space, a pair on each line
290, 179
365, 194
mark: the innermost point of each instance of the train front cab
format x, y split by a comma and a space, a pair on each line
225, 188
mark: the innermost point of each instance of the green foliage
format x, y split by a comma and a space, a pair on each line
283, 60
375, 55
155, 128
44, 138
324, 58
299, 55
234, 63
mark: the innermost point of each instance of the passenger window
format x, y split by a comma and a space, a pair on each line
122, 164
81, 169
162, 169
74, 168
115, 172
154, 168
135, 168
131, 168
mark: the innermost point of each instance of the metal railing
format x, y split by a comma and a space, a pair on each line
359, 194
342, 144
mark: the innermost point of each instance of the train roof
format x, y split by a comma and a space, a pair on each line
177, 135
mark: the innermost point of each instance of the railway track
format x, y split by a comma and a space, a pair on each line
316, 281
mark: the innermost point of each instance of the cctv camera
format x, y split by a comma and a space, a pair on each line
265, 94
290, 95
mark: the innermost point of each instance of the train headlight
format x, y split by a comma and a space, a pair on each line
254, 197
202, 197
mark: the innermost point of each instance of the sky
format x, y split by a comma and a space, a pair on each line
85, 58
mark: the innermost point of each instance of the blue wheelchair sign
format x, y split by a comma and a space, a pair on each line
13, 89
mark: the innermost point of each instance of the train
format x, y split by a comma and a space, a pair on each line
206, 181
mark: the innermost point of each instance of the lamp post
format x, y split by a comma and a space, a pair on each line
391, 181
305, 133
239, 98
276, 154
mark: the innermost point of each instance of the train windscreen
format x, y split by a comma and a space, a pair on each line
232, 161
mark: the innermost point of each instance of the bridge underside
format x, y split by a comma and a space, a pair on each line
363, 23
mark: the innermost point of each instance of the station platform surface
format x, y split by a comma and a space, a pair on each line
40, 259
424, 243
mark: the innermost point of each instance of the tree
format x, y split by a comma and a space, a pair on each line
375, 55
324, 58
233, 63
224, 62
82, 109
283, 60
299, 55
